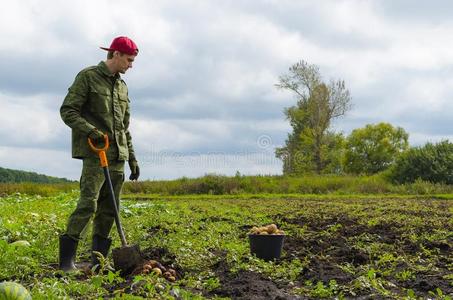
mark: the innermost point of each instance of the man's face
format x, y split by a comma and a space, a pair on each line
123, 62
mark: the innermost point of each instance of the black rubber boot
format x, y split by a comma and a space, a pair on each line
68, 248
101, 245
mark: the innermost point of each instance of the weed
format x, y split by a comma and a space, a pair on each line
341, 246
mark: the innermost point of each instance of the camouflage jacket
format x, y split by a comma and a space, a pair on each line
98, 99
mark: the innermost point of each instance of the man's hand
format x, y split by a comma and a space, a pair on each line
96, 136
135, 170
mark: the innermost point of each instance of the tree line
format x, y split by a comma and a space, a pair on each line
10, 176
313, 147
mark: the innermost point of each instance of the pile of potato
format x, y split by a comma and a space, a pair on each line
153, 266
268, 229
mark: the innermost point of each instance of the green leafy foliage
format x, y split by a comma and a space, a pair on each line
374, 148
309, 146
431, 162
309, 184
10, 176
32, 188
238, 185
336, 247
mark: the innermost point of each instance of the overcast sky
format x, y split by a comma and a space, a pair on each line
202, 89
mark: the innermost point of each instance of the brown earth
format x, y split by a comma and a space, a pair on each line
328, 243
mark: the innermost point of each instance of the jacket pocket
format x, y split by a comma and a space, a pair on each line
124, 102
100, 100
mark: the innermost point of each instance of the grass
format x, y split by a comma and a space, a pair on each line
238, 185
309, 184
42, 189
342, 246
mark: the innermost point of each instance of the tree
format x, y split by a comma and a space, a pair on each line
374, 148
431, 162
318, 104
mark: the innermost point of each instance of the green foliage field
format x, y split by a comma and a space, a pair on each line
347, 246
41, 189
213, 184
309, 184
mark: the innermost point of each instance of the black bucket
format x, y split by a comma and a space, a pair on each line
266, 246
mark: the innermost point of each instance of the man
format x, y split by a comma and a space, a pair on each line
97, 103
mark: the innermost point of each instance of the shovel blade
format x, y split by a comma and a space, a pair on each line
127, 258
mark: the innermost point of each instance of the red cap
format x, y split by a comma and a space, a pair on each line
123, 44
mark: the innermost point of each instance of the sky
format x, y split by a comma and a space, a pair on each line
202, 89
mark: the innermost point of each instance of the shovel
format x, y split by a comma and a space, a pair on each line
125, 258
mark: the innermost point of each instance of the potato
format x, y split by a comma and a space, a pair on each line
161, 267
255, 230
153, 263
157, 271
271, 228
172, 272
171, 278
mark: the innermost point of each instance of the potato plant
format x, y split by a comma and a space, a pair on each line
340, 246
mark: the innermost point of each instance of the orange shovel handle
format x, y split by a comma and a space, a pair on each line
101, 151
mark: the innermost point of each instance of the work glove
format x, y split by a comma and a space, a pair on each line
135, 170
96, 136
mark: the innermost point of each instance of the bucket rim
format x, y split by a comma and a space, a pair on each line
254, 234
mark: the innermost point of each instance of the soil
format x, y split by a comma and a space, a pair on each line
163, 256
247, 285
327, 250
330, 251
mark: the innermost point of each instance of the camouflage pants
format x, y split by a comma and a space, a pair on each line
95, 199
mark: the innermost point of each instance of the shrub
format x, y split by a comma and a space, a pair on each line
431, 162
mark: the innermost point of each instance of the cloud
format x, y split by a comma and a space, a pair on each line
205, 135
163, 164
43, 161
204, 79
31, 121
153, 165
404, 11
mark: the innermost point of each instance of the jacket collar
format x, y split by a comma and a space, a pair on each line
104, 70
